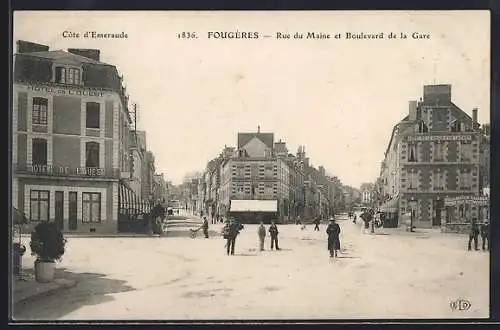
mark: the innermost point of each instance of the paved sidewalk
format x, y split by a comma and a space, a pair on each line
28, 289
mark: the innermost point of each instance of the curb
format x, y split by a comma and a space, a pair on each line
65, 285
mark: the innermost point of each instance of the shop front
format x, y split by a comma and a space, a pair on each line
389, 213
461, 210
133, 212
77, 200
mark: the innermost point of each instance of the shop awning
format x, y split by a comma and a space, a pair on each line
390, 206
254, 206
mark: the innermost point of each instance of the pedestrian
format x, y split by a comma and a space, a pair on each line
354, 218
230, 232
273, 230
485, 234
367, 217
205, 227
262, 235
333, 231
316, 224
473, 235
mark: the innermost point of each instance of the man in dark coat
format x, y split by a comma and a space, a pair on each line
273, 230
333, 231
205, 227
485, 234
473, 235
230, 232
367, 217
316, 224
262, 235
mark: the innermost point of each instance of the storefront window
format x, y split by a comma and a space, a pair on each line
91, 207
39, 205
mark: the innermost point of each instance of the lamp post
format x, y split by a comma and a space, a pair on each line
412, 215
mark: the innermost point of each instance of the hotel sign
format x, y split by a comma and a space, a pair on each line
66, 170
66, 91
473, 200
439, 138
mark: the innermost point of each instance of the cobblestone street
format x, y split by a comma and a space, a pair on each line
413, 276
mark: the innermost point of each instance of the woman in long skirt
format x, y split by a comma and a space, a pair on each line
333, 231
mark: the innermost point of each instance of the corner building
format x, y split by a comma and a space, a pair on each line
433, 154
70, 146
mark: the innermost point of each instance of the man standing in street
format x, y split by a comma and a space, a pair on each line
473, 235
316, 224
230, 232
485, 234
367, 217
262, 235
205, 227
333, 231
273, 230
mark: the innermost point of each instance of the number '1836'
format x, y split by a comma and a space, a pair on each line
187, 35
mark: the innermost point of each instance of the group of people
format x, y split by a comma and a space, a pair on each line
232, 229
475, 230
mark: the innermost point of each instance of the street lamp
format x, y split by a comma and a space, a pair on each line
412, 215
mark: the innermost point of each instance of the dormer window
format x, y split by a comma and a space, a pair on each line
67, 75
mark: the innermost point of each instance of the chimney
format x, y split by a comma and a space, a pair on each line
474, 116
30, 47
412, 110
93, 54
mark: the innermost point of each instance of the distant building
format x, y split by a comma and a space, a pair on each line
433, 154
366, 191
256, 173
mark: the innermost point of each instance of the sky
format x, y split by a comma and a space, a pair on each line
340, 98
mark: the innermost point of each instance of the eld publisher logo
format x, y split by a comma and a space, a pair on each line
460, 305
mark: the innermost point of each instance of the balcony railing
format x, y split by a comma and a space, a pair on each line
66, 171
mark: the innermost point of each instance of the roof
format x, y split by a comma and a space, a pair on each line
61, 56
253, 205
266, 138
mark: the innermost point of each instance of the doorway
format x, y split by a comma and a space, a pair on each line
437, 206
72, 210
59, 210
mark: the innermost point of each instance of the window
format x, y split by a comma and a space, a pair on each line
92, 154
438, 180
91, 207
422, 127
464, 180
60, 75
67, 75
412, 153
39, 152
93, 114
413, 179
465, 151
39, 113
456, 126
39, 205
438, 151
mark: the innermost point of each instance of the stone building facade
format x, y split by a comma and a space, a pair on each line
433, 154
70, 138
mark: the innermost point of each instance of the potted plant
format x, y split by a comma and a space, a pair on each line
48, 245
